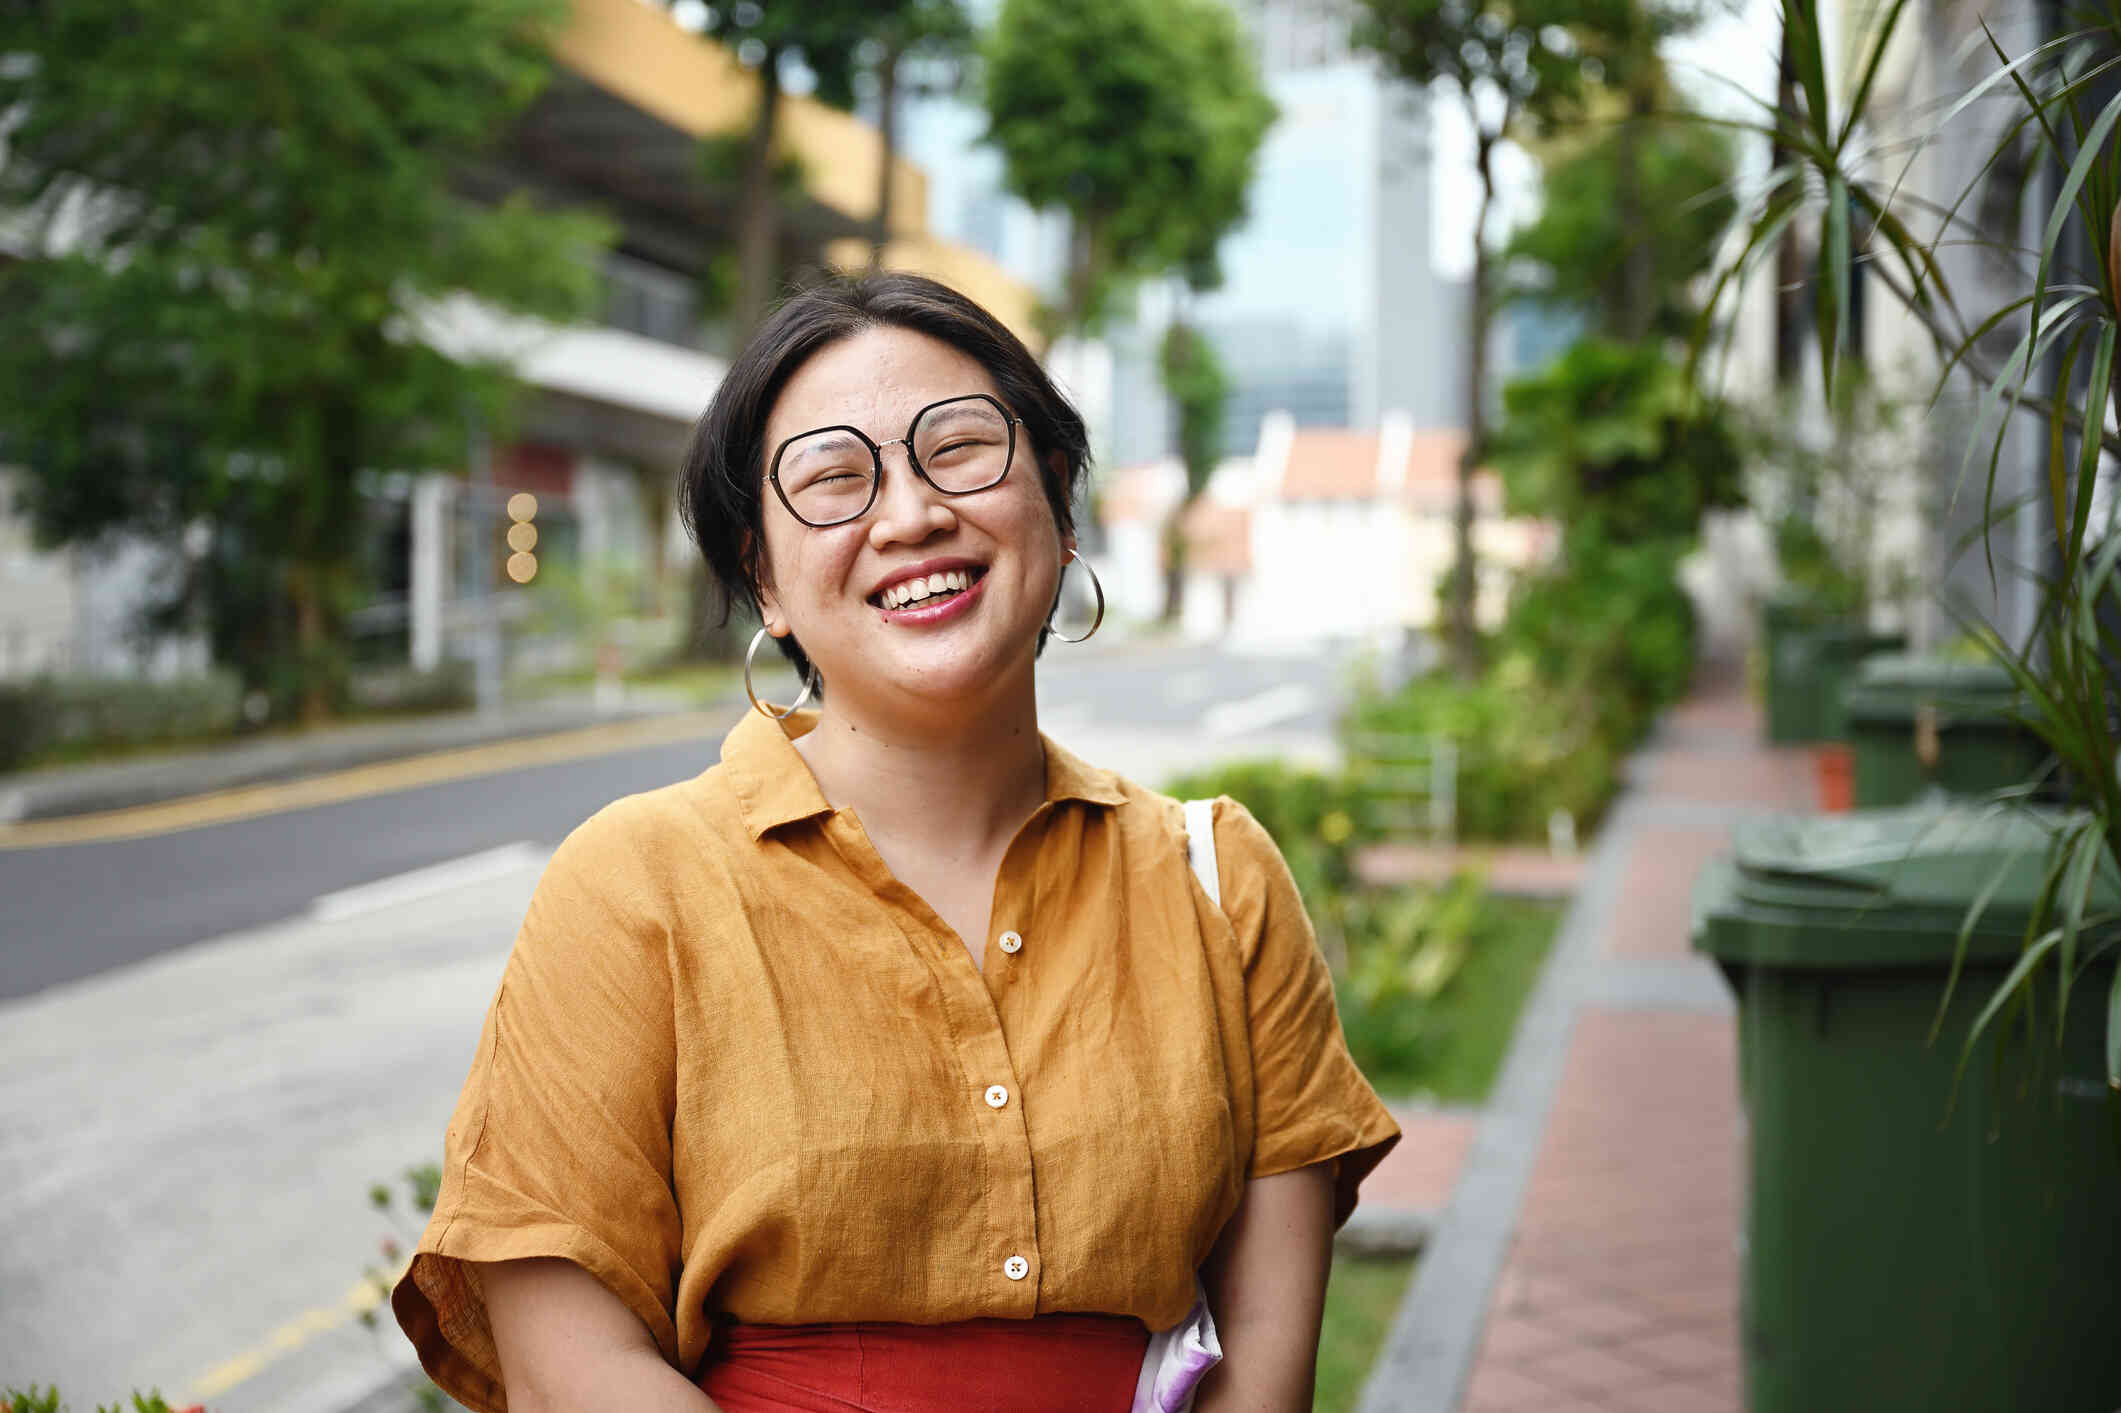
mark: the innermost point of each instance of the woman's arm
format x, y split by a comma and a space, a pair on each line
568, 1345
1266, 1284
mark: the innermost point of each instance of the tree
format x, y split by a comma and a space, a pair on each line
825, 36
1141, 119
1633, 278
1513, 65
235, 215
916, 37
1199, 390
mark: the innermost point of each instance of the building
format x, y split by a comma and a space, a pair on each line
1321, 534
611, 405
1331, 308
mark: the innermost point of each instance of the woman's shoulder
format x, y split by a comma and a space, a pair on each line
1235, 825
659, 833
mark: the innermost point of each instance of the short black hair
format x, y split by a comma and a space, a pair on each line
722, 490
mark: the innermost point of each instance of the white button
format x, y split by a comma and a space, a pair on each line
1016, 1268
996, 1096
1012, 942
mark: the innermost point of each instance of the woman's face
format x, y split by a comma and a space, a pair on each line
828, 585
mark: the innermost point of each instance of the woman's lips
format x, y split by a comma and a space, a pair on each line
929, 611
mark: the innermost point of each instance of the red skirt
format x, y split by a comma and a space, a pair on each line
1051, 1364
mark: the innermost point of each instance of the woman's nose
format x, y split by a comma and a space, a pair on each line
908, 509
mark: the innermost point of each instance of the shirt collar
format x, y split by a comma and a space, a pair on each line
774, 785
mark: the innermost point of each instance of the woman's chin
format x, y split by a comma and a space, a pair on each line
970, 679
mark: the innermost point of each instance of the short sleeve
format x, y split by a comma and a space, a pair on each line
1313, 1104
560, 1144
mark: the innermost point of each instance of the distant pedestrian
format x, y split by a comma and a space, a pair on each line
900, 1060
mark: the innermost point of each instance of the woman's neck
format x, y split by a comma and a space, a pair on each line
968, 786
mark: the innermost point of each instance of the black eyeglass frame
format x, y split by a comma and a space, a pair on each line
876, 458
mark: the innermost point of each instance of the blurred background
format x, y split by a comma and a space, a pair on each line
1559, 463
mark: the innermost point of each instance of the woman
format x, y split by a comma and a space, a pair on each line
899, 1060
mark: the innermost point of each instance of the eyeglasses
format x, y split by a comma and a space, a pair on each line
959, 445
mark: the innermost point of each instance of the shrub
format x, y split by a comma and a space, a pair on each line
1525, 749
1611, 623
452, 686
24, 709
62, 714
1314, 817
46, 1400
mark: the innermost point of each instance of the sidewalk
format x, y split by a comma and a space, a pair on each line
1587, 1257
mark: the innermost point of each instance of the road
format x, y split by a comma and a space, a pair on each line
77, 910
215, 1039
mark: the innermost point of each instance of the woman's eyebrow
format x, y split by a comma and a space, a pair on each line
826, 442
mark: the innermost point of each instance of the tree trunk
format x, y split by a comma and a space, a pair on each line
1175, 562
312, 643
887, 128
1463, 627
1082, 274
758, 233
1638, 268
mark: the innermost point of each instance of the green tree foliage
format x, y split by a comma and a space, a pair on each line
1626, 275
236, 215
1515, 66
1142, 120
1613, 442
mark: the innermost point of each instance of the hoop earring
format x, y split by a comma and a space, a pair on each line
1095, 587
809, 683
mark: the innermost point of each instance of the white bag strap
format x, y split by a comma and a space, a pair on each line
1200, 847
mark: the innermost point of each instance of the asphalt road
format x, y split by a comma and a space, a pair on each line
73, 911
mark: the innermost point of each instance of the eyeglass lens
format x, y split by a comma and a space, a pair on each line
828, 476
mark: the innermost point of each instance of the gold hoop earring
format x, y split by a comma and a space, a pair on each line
1095, 587
809, 683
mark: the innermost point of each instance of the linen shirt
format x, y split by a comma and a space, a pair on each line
737, 1070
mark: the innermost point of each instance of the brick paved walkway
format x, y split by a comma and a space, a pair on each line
1418, 1174
1595, 1227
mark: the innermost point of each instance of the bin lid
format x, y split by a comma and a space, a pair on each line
1892, 686
1883, 887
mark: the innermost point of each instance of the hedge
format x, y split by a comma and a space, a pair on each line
49, 714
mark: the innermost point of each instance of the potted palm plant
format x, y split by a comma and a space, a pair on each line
1954, 188
2024, 340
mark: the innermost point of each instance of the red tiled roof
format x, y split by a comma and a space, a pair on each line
1328, 463
1135, 493
1332, 464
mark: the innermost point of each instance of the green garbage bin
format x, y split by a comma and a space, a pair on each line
1917, 723
1901, 1253
1810, 660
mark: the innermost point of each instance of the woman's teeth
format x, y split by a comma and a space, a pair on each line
912, 591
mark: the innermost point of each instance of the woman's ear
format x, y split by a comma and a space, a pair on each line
1057, 474
762, 589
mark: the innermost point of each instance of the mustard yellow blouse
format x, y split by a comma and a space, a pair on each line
737, 1070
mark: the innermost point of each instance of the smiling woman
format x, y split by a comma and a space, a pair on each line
759, 1119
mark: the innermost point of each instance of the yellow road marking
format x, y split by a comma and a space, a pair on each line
247, 802
362, 1298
